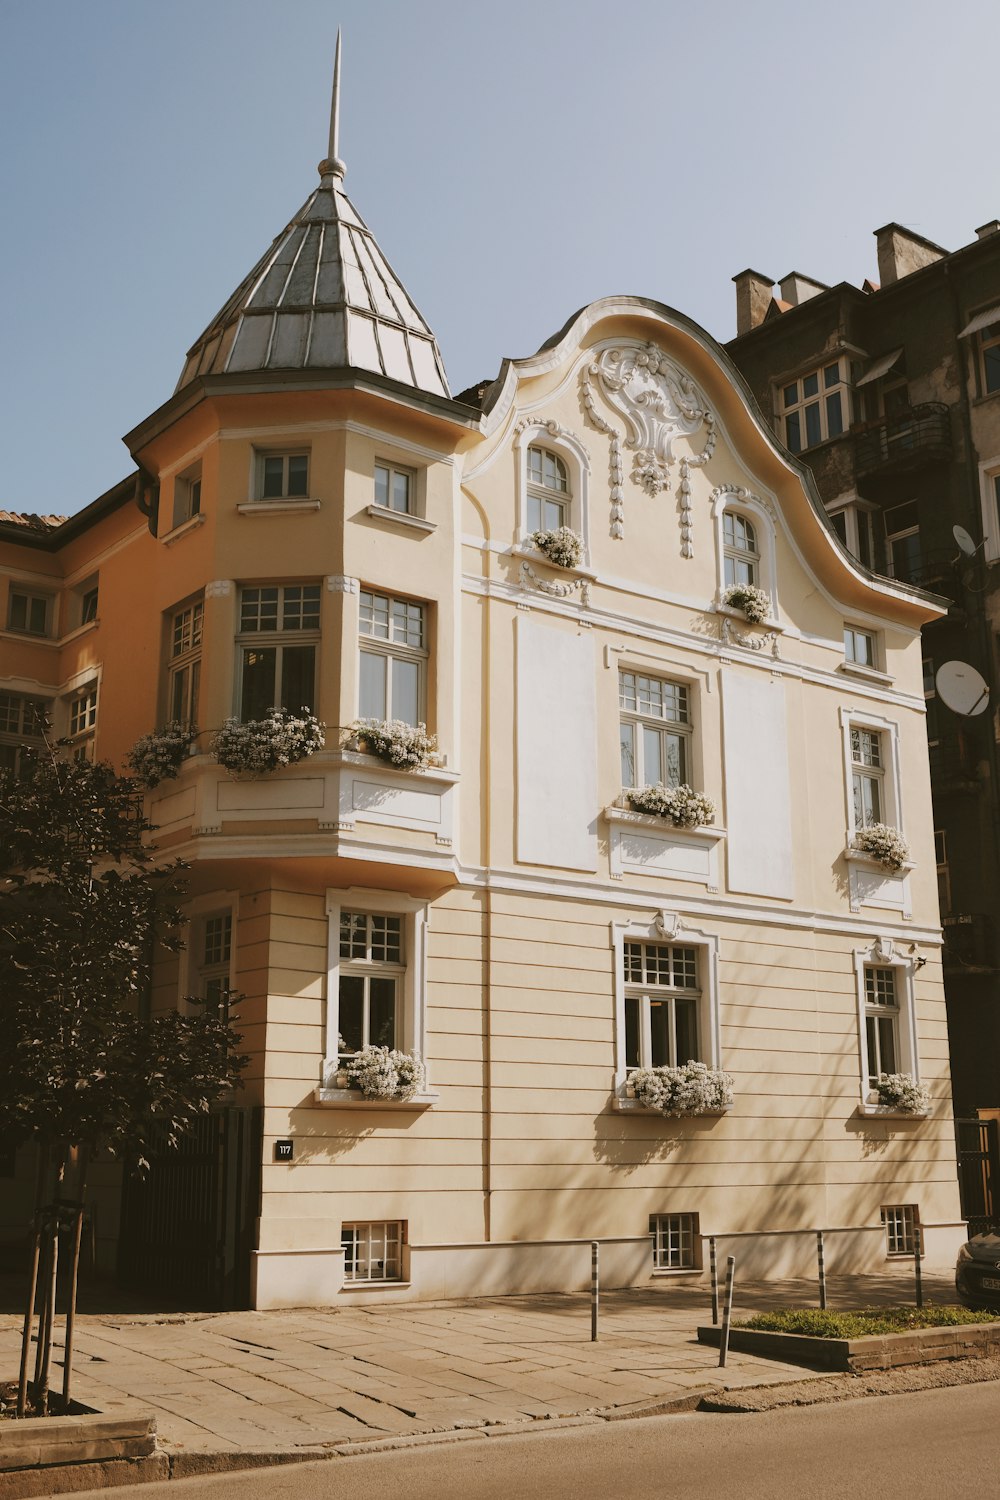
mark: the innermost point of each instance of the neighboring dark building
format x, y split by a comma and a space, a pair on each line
891, 393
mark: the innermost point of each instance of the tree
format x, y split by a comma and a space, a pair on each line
84, 905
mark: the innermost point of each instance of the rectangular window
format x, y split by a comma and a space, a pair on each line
859, 647
282, 476
372, 966
943, 873
187, 496
88, 606
989, 355
662, 998
373, 1252
184, 671
881, 1022
22, 723
278, 641
900, 1223
868, 771
816, 406
675, 1242
393, 658
212, 947
655, 730
83, 710
29, 612
902, 541
394, 487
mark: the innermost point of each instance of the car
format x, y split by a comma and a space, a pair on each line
977, 1271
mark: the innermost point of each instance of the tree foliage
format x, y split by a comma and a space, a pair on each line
84, 904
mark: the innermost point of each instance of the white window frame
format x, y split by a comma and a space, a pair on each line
890, 779
738, 499
279, 638
87, 694
682, 1228
842, 385
851, 632
186, 662
187, 496
989, 492
684, 730
741, 557
411, 1030
900, 1228
883, 954
544, 433
400, 1241
393, 650
33, 595
393, 469
668, 928
986, 338
261, 455
901, 536
189, 969
21, 738
858, 515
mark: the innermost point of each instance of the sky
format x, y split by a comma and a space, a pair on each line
515, 161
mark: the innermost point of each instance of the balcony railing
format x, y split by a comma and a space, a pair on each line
920, 435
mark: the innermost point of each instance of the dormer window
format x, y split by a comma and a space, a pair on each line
740, 550
548, 491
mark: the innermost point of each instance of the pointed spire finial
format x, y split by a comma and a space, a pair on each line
332, 166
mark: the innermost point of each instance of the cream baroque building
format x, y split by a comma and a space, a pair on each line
316, 520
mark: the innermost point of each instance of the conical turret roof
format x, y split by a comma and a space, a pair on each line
322, 297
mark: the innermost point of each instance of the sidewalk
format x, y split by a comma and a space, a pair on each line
304, 1380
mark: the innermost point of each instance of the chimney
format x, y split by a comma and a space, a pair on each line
753, 298
985, 230
901, 252
796, 288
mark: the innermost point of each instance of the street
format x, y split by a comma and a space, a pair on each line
931, 1445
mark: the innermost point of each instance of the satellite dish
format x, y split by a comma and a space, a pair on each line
964, 541
962, 688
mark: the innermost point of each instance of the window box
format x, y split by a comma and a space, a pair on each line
641, 844
345, 1098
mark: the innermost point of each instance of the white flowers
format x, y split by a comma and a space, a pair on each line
157, 757
262, 745
902, 1092
693, 1089
754, 603
883, 843
564, 547
683, 806
384, 1073
406, 746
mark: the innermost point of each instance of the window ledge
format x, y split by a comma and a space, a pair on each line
737, 614
354, 1099
622, 1105
662, 825
400, 518
869, 674
859, 857
191, 524
373, 762
533, 554
891, 1112
379, 1283
674, 1271
276, 507
77, 631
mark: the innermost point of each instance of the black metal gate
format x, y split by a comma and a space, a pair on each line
978, 1173
187, 1225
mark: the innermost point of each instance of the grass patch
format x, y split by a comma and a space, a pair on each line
861, 1321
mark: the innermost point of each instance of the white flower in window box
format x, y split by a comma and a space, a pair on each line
384, 1073
261, 746
884, 844
408, 747
691, 1089
680, 805
754, 603
158, 757
901, 1091
563, 546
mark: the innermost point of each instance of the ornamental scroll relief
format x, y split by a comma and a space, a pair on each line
659, 403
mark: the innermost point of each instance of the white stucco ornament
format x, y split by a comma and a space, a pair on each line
659, 403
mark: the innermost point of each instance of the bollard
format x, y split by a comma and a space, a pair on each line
917, 1276
727, 1310
595, 1288
821, 1262
713, 1263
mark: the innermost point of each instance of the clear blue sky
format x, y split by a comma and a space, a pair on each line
515, 160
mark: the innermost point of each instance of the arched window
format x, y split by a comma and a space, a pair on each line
741, 555
548, 492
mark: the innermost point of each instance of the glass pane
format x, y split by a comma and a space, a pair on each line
628, 754
555, 515
382, 1012
686, 1022
36, 620
381, 485
791, 393
534, 513
401, 492
831, 375
872, 1041
810, 385
371, 686
257, 694
675, 746
274, 473
887, 1043
659, 1033
991, 368
839, 524
298, 677
866, 539
631, 1031
652, 759
406, 691
834, 416
793, 434
298, 474
178, 695
814, 431
18, 612
352, 1000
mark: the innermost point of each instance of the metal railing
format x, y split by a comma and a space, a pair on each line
920, 434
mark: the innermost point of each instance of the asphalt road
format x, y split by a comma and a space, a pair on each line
931, 1445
